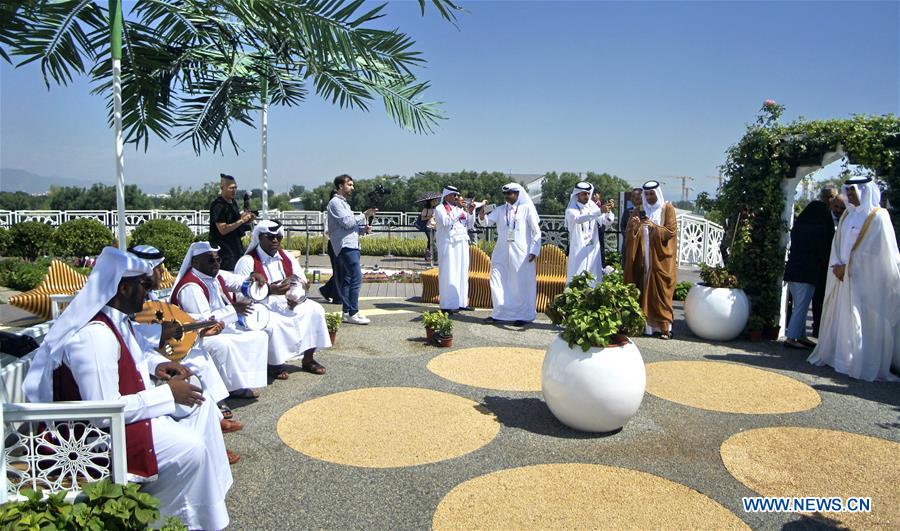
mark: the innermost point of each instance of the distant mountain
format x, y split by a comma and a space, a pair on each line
14, 180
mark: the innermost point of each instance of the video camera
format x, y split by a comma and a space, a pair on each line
375, 198
247, 204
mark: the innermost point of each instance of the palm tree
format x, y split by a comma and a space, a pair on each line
190, 69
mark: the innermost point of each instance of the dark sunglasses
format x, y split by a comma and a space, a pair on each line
146, 282
273, 236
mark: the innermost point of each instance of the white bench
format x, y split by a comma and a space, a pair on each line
59, 445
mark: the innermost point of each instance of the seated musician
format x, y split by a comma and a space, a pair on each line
197, 360
205, 292
296, 323
93, 353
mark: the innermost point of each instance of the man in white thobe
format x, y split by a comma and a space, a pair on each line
296, 323
452, 225
860, 331
205, 292
513, 271
583, 217
198, 360
93, 353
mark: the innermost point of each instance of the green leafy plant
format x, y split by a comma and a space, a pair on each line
169, 236
333, 321
716, 277
444, 326
612, 258
5, 241
756, 323
591, 312
107, 506
682, 289
23, 276
30, 239
432, 319
81, 237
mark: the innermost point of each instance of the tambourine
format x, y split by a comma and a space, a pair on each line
256, 319
254, 291
182, 411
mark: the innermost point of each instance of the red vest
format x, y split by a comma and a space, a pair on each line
140, 455
191, 278
285, 263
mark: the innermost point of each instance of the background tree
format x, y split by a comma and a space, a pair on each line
557, 187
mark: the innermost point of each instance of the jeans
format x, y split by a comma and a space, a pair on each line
332, 288
351, 279
802, 293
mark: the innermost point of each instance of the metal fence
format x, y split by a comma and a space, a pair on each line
698, 238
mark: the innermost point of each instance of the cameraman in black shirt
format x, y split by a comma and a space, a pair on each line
227, 224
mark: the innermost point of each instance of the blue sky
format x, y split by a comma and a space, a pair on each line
638, 89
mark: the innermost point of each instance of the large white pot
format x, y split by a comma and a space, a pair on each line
597, 390
717, 314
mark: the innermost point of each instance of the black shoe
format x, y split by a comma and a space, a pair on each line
466, 309
520, 323
490, 320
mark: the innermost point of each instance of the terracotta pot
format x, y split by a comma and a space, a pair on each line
771, 333
446, 341
755, 336
429, 333
333, 335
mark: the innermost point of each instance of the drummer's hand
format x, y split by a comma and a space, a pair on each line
169, 369
279, 288
260, 279
184, 393
242, 307
213, 330
171, 330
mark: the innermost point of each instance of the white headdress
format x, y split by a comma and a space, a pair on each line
102, 285
266, 226
866, 190
149, 253
196, 248
654, 211
447, 191
581, 187
524, 198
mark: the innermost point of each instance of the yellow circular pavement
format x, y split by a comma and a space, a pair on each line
796, 462
383, 427
500, 368
728, 387
578, 496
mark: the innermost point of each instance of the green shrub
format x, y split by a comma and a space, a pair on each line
81, 237
717, 277
487, 247
5, 241
682, 289
591, 313
23, 276
108, 506
30, 239
333, 321
202, 237
169, 236
612, 258
432, 319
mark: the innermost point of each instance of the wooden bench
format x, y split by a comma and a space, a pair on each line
551, 275
60, 279
479, 281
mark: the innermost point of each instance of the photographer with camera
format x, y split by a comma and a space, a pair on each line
344, 228
228, 224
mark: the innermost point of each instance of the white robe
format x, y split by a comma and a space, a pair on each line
584, 239
452, 237
291, 331
239, 355
197, 360
860, 331
194, 475
513, 277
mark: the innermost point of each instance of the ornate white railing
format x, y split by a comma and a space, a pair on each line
698, 238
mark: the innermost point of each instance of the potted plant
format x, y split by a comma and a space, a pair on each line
755, 328
443, 332
593, 377
430, 320
716, 308
771, 331
333, 322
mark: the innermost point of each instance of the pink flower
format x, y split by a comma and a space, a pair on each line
769, 103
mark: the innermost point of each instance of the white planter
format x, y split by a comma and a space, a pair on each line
717, 314
597, 390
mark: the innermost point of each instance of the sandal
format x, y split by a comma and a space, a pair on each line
793, 343
278, 372
244, 394
313, 367
227, 414
665, 335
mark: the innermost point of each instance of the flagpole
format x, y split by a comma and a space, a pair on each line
264, 146
115, 22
